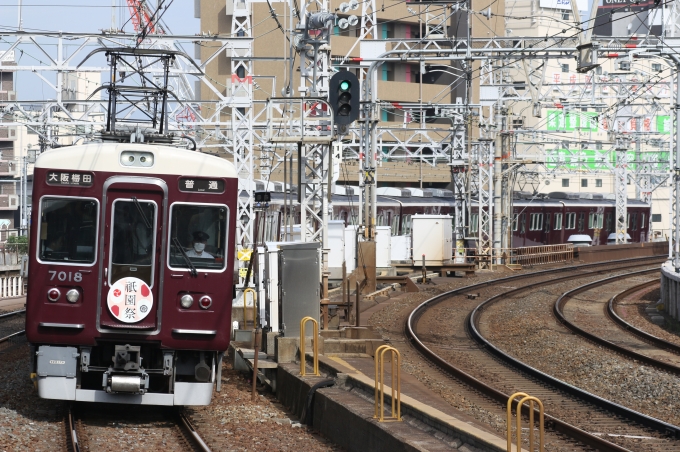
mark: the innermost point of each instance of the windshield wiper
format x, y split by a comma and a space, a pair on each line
141, 212
184, 255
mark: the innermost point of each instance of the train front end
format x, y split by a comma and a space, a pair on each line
130, 274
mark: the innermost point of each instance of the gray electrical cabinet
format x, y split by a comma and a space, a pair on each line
299, 286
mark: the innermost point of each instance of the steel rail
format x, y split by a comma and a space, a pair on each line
661, 343
557, 424
192, 431
6, 338
72, 436
13, 313
18, 333
562, 301
598, 401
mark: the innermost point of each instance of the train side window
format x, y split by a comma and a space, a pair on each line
536, 222
406, 227
581, 221
198, 236
523, 224
558, 222
634, 221
474, 223
395, 225
571, 221
515, 222
547, 222
609, 222
380, 220
642, 222
68, 230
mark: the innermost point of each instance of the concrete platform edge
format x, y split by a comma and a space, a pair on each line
366, 433
432, 417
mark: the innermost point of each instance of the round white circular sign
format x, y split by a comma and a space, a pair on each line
130, 300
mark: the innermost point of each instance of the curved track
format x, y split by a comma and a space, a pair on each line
642, 334
495, 374
590, 305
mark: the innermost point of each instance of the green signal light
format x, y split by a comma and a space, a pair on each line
344, 85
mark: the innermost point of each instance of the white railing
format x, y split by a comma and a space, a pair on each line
11, 286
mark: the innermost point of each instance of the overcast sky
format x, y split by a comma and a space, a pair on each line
80, 16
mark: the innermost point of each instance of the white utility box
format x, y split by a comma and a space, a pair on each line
350, 248
432, 235
336, 246
401, 248
383, 246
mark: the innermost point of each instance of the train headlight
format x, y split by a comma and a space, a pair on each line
53, 294
186, 301
205, 302
72, 295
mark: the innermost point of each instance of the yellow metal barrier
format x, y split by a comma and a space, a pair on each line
315, 345
531, 400
380, 381
245, 315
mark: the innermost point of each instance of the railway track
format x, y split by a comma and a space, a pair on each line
493, 374
591, 305
11, 328
89, 428
644, 335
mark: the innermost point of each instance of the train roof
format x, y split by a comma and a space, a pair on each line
541, 200
107, 157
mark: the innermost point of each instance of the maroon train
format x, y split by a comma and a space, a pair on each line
131, 273
543, 219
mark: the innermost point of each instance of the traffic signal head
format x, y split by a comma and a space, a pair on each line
343, 95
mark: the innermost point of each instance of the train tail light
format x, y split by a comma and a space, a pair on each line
186, 301
205, 302
53, 294
72, 296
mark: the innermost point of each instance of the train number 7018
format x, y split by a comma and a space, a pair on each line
65, 276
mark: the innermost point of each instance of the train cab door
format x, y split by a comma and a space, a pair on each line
131, 248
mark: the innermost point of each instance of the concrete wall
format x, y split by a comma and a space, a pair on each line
610, 252
670, 290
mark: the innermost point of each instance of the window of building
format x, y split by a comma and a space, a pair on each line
584, 182
598, 183
565, 68
558, 221
565, 16
536, 222
474, 220
570, 221
656, 218
565, 182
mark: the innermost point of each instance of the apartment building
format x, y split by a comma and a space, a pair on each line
581, 114
398, 83
9, 161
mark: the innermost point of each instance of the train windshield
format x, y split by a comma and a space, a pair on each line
68, 230
198, 236
133, 241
